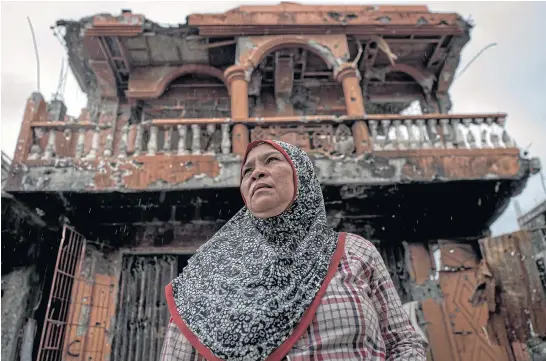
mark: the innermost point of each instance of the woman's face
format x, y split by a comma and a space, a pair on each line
268, 181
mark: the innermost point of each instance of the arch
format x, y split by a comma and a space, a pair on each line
283, 42
422, 77
151, 83
189, 69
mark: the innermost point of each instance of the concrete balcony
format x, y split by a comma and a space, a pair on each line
384, 176
83, 156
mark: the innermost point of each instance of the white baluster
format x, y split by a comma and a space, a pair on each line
109, 145
458, 136
424, 139
447, 132
182, 132
413, 133
377, 144
476, 133
506, 139
493, 138
486, 131
196, 139
152, 142
138, 139
168, 140
94, 144
226, 139
435, 138
211, 128
386, 127
123, 141
402, 135
469, 141
80, 144
50, 148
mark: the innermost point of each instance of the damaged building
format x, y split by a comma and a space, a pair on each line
125, 192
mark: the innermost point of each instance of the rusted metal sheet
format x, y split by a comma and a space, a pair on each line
143, 314
465, 323
520, 298
419, 262
91, 310
456, 256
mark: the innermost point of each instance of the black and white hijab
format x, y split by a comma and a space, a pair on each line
252, 289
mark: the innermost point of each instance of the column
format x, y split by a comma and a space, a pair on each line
238, 89
349, 77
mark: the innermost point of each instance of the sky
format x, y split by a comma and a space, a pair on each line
509, 77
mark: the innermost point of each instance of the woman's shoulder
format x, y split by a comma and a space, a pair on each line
358, 246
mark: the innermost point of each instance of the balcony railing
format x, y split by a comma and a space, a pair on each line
330, 136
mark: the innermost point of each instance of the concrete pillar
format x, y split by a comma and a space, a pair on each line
349, 77
238, 89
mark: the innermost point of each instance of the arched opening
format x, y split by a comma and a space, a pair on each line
294, 80
194, 95
190, 95
382, 92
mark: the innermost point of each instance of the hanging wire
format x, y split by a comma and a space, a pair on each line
458, 75
36, 53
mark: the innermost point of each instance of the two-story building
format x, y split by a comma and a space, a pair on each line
150, 169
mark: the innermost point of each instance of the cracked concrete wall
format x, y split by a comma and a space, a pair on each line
16, 295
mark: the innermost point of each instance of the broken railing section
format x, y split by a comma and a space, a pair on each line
327, 135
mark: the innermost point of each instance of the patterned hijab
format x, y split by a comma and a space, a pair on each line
244, 292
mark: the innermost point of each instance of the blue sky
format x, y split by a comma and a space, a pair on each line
510, 77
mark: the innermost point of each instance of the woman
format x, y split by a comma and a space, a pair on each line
276, 283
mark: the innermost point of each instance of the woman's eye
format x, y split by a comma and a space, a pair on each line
246, 171
269, 160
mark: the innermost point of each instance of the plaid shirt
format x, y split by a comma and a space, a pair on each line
360, 317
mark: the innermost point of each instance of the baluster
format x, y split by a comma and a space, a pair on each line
447, 132
168, 139
152, 142
486, 132
458, 136
50, 148
377, 145
386, 127
435, 138
109, 145
211, 149
80, 143
402, 135
94, 144
506, 139
226, 139
123, 141
424, 139
469, 140
138, 139
182, 132
476, 132
493, 137
196, 139
413, 134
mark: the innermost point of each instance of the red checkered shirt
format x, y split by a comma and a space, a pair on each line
360, 317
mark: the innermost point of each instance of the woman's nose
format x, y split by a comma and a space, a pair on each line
258, 173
